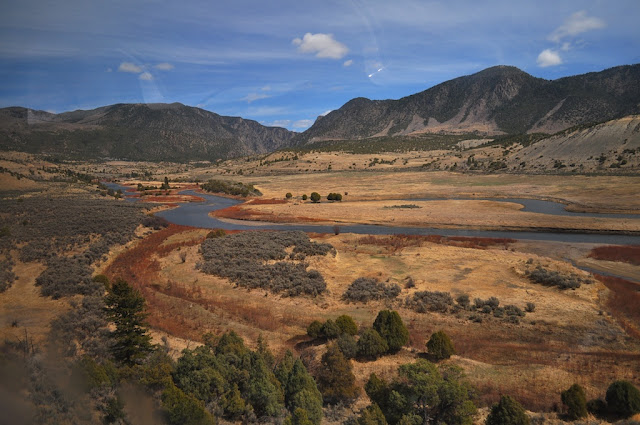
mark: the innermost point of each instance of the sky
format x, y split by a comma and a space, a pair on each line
284, 63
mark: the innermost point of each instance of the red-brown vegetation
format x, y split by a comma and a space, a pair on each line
238, 213
624, 254
266, 202
398, 242
624, 302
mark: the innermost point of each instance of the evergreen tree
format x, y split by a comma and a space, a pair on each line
335, 379
125, 308
623, 399
184, 409
440, 346
507, 412
390, 327
371, 415
576, 401
300, 390
314, 330
371, 345
347, 325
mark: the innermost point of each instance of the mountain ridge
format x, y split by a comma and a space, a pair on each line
497, 100
139, 132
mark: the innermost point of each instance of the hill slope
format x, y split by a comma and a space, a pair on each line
497, 100
137, 132
613, 145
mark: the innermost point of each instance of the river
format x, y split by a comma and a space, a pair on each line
196, 214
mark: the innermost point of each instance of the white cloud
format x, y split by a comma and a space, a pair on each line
109, 69
549, 57
252, 97
302, 124
266, 88
130, 67
576, 24
322, 45
165, 66
325, 113
146, 76
348, 63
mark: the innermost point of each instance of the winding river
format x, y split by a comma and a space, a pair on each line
196, 214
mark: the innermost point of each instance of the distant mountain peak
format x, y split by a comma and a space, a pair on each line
497, 100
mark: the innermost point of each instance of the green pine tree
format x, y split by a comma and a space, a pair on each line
125, 308
390, 327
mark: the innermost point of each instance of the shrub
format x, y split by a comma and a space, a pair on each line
315, 197
390, 327
348, 345
371, 415
365, 289
507, 412
335, 377
314, 330
216, 233
440, 346
576, 401
552, 278
288, 195
423, 301
371, 345
347, 325
304, 197
597, 407
463, 301
623, 399
230, 188
334, 197
330, 330
256, 260
531, 307
184, 409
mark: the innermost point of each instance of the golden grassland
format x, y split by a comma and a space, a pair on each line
586, 335
571, 337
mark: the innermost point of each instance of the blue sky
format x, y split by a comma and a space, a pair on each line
286, 62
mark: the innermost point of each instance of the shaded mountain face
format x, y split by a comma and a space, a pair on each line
154, 132
498, 100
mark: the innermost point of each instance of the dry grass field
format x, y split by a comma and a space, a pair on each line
590, 335
572, 336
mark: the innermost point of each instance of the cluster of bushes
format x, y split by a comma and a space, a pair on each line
552, 278
365, 289
230, 188
509, 313
442, 302
256, 260
334, 197
48, 227
333, 329
423, 301
421, 391
386, 336
622, 400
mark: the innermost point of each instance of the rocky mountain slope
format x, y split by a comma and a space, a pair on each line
154, 132
610, 146
497, 100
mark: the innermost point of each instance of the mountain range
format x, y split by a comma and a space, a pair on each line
152, 132
497, 100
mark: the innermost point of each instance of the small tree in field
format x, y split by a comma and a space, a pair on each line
335, 378
440, 346
507, 412
125, 308
623, 399
391, 328
576, 401
304, 197
288, 195
315, 197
